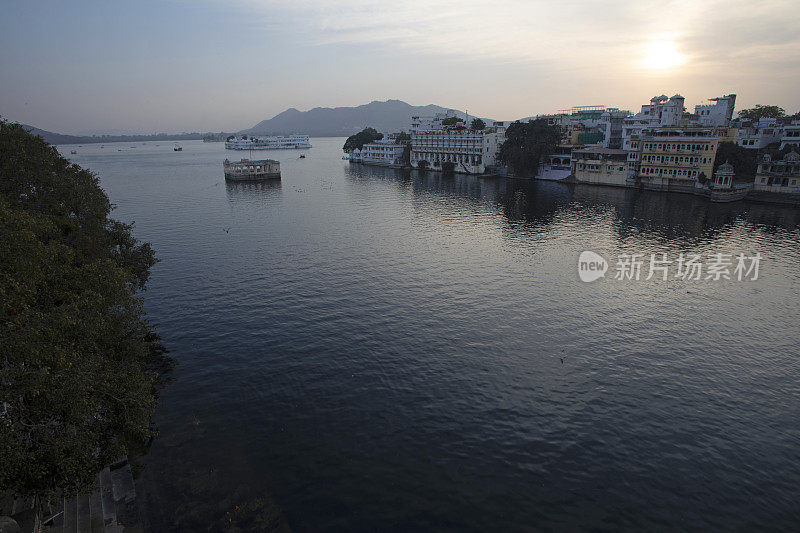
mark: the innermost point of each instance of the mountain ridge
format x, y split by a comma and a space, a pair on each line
386, 116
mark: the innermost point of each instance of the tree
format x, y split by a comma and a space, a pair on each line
527, 143
403, 137
448, 167
762, 111
78, 360
422, 164
367, 135
478, 124
452, 121
405, 158
744, 160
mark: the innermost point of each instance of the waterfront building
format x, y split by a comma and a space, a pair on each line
470, 151
272, 142
662, 111
720, 113
791, 135
779, 176
600, 166
384, 152
759, 134
723, 177
673, 157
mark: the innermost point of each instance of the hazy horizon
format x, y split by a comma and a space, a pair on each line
210, 65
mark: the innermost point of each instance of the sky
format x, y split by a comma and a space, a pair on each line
212, 65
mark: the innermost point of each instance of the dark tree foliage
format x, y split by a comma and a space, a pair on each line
452, 121
77, 359
744, 160
448, 167
361, 138
405, 158
478, 124
762, 111
527, 143
422, 164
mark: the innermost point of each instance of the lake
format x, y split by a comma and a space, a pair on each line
373, 349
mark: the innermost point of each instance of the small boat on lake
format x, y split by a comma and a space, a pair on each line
246, 170
73, 152
177, 148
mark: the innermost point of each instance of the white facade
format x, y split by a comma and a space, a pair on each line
470, 151
382, 152
274, 142
791, 135
611, 123
719, 113
663, 111
757, 135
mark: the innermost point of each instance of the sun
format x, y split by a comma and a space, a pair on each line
662, 54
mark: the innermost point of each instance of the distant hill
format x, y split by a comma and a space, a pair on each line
389, 116
59, 138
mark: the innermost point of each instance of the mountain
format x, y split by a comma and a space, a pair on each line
60, 138
389, 116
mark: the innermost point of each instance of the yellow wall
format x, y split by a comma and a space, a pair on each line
683, 157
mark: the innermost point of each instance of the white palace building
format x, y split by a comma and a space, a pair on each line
384, 152
470, 151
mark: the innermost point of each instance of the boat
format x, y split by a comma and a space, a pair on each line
73, 152
256, 170
289, 142
302, 156
177, 148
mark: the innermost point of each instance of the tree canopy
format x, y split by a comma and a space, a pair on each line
744, 160
527, 143
478, 124
77, 358
452, 121
367, 135
762, 111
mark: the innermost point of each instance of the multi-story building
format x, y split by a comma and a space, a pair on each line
384, 152
791, 135
602, 166
720, 113
759, 134
663, 111
677, 156
781, 176
435, 141
610, 124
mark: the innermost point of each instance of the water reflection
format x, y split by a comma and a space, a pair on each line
247, 191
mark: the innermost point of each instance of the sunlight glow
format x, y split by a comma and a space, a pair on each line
662, 55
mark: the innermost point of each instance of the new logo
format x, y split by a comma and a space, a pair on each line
591, 266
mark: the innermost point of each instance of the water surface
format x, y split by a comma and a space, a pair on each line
380, 350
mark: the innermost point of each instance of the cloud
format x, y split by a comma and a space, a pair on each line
565, 35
